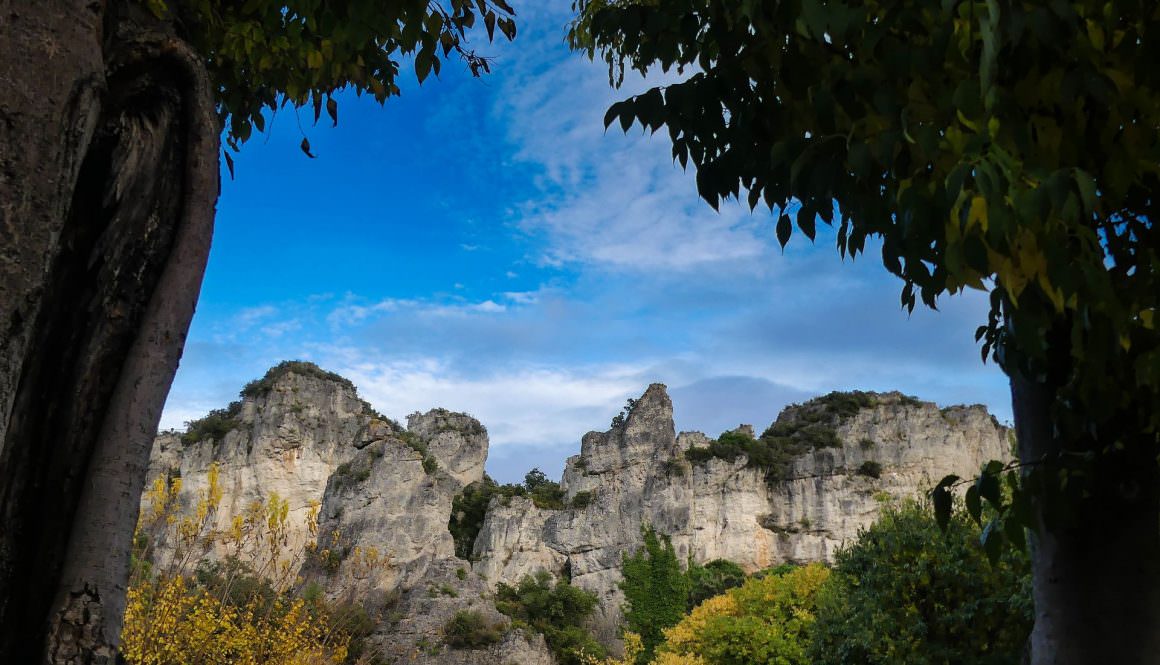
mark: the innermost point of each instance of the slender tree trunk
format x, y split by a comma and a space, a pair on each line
108, 178
1096, 572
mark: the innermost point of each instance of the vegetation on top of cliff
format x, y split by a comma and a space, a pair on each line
546, 494
620, 419
799, 429
214, 425
449, 421
557, 612
262, 387
469, 507
218, 422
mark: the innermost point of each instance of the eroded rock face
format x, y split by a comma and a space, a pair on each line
889, 448
385, 497
287, 440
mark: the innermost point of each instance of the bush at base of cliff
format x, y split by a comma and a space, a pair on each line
905, 592
557, 612
712, 579
656, 591
469, 629
767, 620
242, 609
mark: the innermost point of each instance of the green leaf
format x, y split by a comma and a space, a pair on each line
305, 146
974, 505
784, 229
612, 112
943, 501
332, 110
987, 485
1015, 533
807, 222
992, 541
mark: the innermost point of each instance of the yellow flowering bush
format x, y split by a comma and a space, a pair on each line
237, 610
169, 621
764, 621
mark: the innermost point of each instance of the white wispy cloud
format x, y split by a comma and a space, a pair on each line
610, 273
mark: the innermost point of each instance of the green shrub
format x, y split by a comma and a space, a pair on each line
545, 494
905, 592
469, 507
351, 473
263, 386
870, 468
775, 451
447, 421
213, 425
843, 405
656, 591
557, 612
469, 629
582, 500
909, 400
430, 464
712, 579
621, 419
461, 573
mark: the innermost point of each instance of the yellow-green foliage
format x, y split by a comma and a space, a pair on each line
169, 620
766, 620
633, 648
240, 612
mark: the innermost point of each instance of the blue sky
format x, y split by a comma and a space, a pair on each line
483, 245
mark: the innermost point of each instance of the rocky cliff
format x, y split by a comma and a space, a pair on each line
857, 452
384, 493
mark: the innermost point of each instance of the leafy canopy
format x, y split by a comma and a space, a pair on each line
265, 54
1006, 146
556, 611
765, 620
906, 592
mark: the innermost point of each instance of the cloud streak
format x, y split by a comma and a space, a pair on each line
585, 268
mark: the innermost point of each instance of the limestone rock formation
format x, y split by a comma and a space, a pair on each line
877, 448
818, 474
383, 495
285, 437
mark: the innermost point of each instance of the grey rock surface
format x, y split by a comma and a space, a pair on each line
385, 495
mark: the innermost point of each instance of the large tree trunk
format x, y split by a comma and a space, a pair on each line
1096, 571
108, 178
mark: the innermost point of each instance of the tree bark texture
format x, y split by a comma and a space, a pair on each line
108, 178
1096, 570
